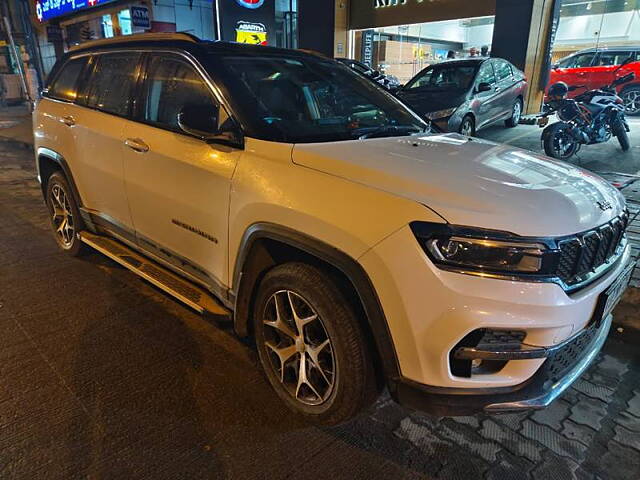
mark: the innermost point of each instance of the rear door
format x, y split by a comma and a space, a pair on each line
486, 108
54, 123
506, 83
99, 125
606, 62
178, 185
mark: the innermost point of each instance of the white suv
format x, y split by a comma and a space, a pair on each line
358, 247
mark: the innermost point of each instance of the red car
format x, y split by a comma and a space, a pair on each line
594, 68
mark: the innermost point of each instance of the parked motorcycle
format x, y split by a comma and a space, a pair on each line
591, 117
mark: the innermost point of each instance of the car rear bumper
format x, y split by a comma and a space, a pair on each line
561, 368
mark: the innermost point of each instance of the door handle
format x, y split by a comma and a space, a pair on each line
68, 120
137, 145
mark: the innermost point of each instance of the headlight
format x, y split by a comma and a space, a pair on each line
488, 254
474, 250
440, 113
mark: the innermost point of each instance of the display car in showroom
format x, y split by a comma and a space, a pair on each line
467, 95
284, 193
592, 68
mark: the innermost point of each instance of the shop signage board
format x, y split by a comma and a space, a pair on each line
247, 21
365, 14
140, 17
367, 48
48, 9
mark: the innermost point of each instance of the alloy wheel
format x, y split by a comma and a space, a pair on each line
62, 216
517, 111
299, 348
467, 127
631, 101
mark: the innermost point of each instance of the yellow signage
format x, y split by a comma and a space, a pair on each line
254, 33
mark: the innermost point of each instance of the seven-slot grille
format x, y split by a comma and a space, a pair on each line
587, 251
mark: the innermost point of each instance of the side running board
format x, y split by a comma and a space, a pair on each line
185, 291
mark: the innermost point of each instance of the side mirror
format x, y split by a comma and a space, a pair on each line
199, 120
483, 87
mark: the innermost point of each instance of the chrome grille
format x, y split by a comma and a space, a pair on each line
587, 251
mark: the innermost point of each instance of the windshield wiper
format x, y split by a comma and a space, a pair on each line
393, 130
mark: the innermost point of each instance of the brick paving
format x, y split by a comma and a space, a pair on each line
102, 376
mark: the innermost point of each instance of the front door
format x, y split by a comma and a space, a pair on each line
178, 185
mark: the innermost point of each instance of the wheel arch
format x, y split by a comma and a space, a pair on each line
265, 245
49, 161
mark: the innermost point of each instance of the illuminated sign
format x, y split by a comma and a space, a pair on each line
249, 32
48, 9
250, 3
390, 3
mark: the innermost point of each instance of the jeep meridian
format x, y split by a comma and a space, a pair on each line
361, 250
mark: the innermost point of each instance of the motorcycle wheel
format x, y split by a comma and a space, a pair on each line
559, 144
621, 133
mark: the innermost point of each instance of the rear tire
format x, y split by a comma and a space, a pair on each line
516, 113
306, 329
621, 133
64, 215
468, 126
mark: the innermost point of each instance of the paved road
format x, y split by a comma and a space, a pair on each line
102, 376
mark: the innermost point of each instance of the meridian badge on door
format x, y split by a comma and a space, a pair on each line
194, 230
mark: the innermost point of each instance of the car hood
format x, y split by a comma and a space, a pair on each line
426, 101
473, 182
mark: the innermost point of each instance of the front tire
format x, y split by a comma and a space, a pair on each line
311, 346
558, 142
516, 113
621, 134
64, 215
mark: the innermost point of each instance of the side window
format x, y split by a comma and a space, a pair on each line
485, 74
112, 82
64, 86
607, 59
581, 61
172, 84
503, 70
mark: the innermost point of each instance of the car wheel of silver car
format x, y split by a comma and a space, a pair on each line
310, 344
468, 126
64, 215
516, 113
631, 98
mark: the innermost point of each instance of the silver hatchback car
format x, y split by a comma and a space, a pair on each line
467, 95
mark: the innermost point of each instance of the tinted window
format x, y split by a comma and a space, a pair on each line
444, 77
606, 59
172, 84
485, 74
503, 70
64, 87
577, 61
112, 82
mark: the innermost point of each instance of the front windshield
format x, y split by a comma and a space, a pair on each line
444, 77
301, 99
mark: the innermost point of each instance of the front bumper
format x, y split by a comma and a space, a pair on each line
562, 367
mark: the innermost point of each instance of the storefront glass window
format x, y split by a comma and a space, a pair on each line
124, 19
596, 24
404, 50
107, 26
